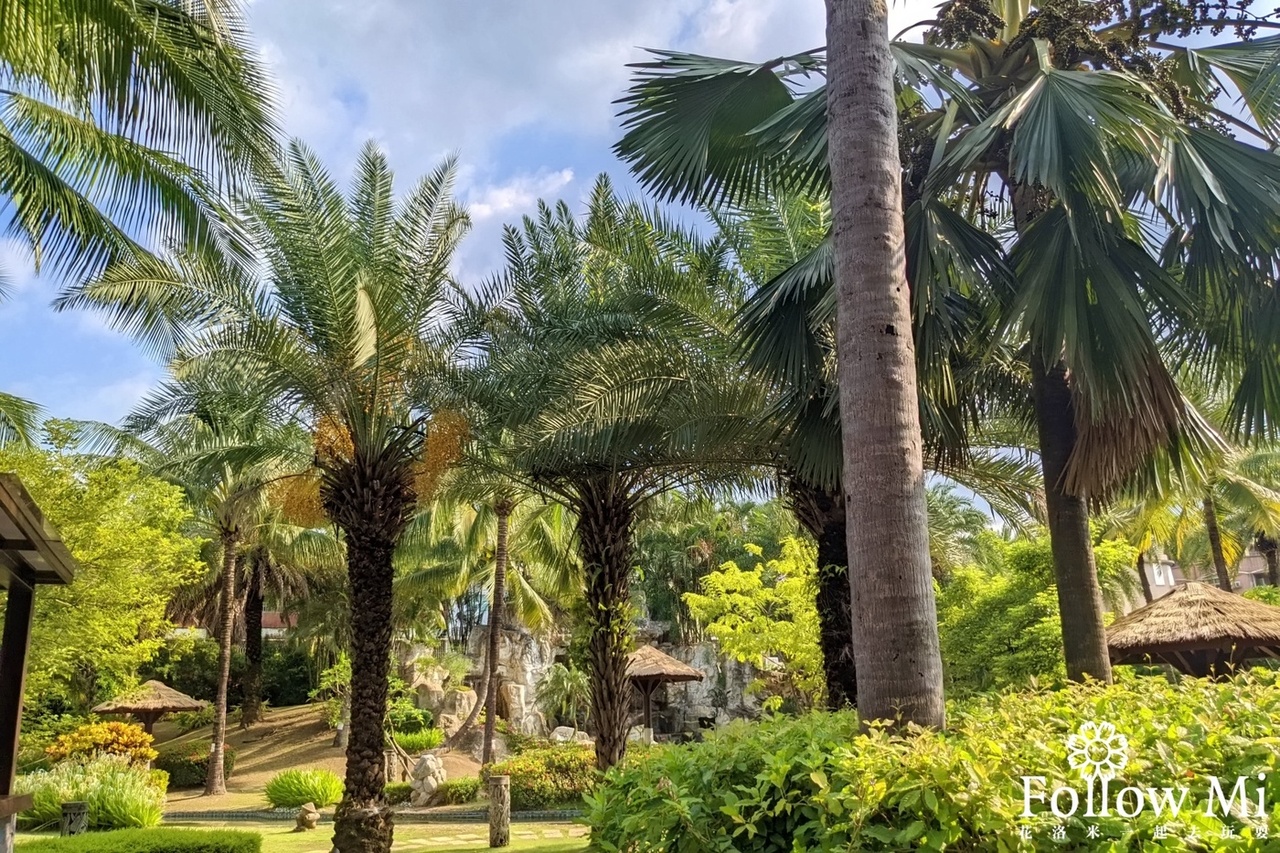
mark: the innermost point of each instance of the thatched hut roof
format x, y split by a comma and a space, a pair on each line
154, 697
1196, 620
649, 663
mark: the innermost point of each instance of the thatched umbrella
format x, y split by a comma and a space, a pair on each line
647, 668
1198, 629
149, 703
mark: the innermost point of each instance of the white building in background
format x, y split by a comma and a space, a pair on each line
1164, 574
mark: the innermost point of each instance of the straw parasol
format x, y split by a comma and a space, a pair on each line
1198, 629
149, 703
647, 668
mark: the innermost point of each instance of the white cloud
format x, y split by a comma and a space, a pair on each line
516, 196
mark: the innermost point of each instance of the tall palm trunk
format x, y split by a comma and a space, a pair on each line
822, 513
502, 509
251, 708
895, 626
1215, 544
215, 780
1270, 551
605, 517
1084, 637
1147, 595
371, 506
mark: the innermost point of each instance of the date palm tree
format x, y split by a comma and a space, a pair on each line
606, 358
342, 331
1067, 131
119, 117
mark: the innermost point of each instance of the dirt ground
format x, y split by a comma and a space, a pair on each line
287, 737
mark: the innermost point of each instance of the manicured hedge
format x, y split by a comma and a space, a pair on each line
542, 778
816, 783
188, 766
454, 792
397, 793
157, 840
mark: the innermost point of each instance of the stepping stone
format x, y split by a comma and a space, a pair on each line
579, 832
552, 833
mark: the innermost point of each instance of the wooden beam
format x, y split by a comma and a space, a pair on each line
13, 676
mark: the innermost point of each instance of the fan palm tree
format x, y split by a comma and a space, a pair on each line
606, 359
1097, 147
343, 333
119, 117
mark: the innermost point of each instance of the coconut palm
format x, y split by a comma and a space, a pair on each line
19, 420
342, 331
606, 359
1097, 147
484, 531
118, 118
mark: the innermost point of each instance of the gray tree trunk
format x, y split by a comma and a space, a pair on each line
1215, 545
894, 618
215, 781
503, 511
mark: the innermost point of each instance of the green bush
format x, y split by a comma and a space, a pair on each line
541, 778
164, 840
119, 794
415, 743
188, 765
407, 719
397, 793
287, 675
191, 665
455, 792
189, 721
293, 788
815, 783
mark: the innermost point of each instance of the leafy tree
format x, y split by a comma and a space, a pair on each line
767, 615
605, 356
564, 693
128, 532
1062, 128
118, 119
342, 334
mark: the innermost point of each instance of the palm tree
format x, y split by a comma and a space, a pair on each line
19, 420
1062, 138
606, 359
343, 334
483, 531
118, 118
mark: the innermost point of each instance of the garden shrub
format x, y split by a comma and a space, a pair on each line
455, 792
397, 793
542, 778
816, 783
292, 788
94, 739
418, 742
407, 719
188, 765
192, 665
189, 721
287, 675
160, 840
119, 793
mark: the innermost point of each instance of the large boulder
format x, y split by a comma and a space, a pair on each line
563, 734
425, 779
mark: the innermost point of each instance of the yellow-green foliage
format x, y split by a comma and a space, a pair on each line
126, 530
542, 778
768, 612
119, 793
293, 788
96, 739
815, 783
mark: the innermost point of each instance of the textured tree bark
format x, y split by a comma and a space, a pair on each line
251, 709
215, 781
1270, 551
371, 503
1084, 637
1147, 595
502, 509
499, 811
1215, 544
605, 516
895, 631
822, 513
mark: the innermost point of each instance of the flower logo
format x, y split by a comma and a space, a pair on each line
1098, 751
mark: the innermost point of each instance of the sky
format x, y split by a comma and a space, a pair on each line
522, 92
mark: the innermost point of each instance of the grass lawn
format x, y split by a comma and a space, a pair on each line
278, 837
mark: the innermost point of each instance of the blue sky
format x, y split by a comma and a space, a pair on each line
521, 91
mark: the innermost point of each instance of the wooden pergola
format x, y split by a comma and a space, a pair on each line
649, 668
31, 553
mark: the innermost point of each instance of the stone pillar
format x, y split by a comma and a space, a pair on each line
499, 811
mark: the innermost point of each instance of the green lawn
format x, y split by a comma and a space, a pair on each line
278, 837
